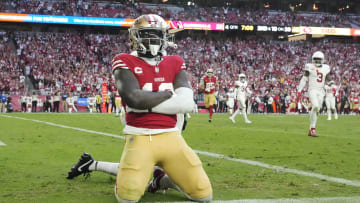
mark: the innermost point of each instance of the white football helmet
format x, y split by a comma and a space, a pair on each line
149, 35
231, 90
318, 58
242, 77
210, 72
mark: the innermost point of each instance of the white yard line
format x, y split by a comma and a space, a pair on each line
2, 144
210, 154
69, 127
283, 169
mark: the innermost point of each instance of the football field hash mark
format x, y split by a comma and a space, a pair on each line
2, 144
215, 155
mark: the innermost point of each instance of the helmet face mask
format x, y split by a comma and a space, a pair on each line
242, 77
318, 58
210, 73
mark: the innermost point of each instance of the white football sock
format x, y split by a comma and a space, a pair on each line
235, 113
335, 114
231, 111
91, 110
107, 167
329, 113
244, 114
313, 118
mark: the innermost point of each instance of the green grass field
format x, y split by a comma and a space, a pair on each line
37, 157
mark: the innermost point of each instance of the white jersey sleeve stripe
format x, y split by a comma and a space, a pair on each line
117, 61
119, 66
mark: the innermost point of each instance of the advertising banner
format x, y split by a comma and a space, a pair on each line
322, 31
74, 20
197, 25
355, 32
82, 101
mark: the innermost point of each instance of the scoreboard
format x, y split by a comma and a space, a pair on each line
256, 28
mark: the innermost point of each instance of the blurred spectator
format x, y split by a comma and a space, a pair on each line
23, 103
3, 99
47, 104
64, 105
34, 100
56, 102
9, 107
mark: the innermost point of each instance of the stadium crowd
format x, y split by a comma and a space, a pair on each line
188, 13
79, 62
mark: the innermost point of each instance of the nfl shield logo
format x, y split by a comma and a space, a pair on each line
157, 69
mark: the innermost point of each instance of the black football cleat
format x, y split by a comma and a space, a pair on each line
154, 185
81, 167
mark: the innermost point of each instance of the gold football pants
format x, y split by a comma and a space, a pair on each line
167, 150
209, 100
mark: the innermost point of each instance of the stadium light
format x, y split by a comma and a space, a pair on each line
315, 8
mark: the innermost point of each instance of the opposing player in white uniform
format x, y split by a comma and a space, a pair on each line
240, 94
316, 74
230, 100
330, 99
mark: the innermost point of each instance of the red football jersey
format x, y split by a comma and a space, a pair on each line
351, 99
150, 78
356, 99
209, 84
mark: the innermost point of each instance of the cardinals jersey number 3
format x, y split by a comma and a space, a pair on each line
150, 78
241, 90
317, 75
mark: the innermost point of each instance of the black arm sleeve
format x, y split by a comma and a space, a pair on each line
181, 80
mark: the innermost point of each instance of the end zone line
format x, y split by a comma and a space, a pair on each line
220, 156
